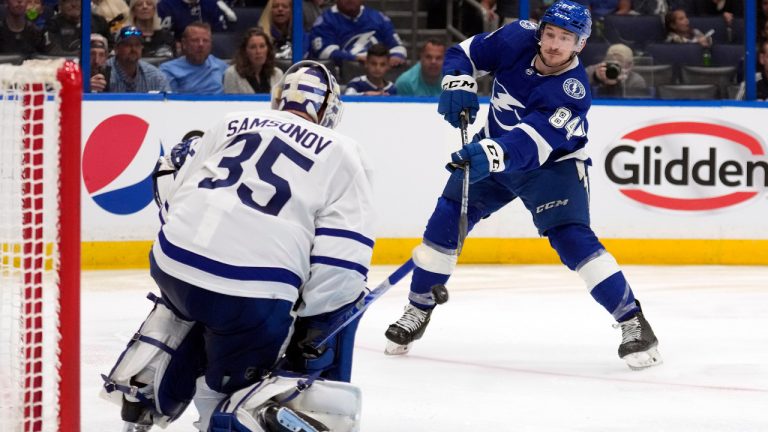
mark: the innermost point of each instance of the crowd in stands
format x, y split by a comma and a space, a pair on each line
242, 46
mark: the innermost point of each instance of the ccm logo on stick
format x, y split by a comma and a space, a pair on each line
688, 165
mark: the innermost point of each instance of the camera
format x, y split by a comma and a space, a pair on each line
612, 70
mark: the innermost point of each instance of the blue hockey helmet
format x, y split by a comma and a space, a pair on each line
570, 16
309, 87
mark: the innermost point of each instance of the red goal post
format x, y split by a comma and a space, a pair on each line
40, 146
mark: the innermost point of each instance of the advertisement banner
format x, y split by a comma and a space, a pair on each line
657, 172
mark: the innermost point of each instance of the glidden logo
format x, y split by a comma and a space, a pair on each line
688, 165
112, 157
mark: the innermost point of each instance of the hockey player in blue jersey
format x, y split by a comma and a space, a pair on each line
531, 147
266, 241
348, 29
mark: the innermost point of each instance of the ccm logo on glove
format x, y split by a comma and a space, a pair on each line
461, 82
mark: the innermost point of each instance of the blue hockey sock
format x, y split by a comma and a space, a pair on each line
615, 295
580, 250
421, 287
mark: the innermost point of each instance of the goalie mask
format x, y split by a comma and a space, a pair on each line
310, 88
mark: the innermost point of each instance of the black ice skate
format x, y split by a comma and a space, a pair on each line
277, 418
408, 328
639, 346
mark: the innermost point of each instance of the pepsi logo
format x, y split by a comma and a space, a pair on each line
688, 165
117, 167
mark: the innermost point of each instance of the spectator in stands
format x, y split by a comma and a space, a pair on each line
373, 82
99, 71
763, 32
650, 7
114, 11
19, 36
679, 30
614, 77
761, 77
601, 8
253, 69
345, 32
311, 10
423, 78
728, 9
131, 74
157, 41
276, 21
197, 71
38, 13
507, 11
176, 15
64, 28
762, 13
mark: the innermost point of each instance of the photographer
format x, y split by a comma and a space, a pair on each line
613, 77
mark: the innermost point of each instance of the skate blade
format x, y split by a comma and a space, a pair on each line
396, 349
643, 359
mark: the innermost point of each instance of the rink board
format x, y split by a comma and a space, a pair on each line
668, 185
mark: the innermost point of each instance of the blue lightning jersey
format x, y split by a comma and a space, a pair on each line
535, 118
359, 85
176, 15
339, 37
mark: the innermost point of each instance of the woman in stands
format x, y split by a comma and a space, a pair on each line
157, 41
679, 30
276, 21
253, 69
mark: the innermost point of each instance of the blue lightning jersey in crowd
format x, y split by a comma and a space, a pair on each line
176, 15
534, 117
360, 85
339, 37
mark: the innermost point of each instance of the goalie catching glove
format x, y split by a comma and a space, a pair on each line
459, 94
483, 157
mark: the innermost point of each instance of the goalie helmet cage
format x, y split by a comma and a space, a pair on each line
40, 103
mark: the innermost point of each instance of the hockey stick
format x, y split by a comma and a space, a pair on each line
440, 292
463, 224
371, 297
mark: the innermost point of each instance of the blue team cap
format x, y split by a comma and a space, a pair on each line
126, 33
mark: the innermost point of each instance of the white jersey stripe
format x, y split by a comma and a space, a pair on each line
336, 262
229, 271
345, 234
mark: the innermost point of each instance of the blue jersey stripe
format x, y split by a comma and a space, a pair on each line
270, 274
334, 232
336, 262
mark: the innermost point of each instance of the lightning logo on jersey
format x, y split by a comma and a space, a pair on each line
502, 103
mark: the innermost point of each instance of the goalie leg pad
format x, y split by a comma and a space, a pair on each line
159, 366
334, 404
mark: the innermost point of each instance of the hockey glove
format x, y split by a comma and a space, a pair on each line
334, 358
483, 158
459, 94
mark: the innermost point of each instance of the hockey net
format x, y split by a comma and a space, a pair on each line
39, 246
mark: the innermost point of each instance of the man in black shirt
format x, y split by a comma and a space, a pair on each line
19, 36
64, 28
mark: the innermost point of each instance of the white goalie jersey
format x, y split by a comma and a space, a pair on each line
267, 204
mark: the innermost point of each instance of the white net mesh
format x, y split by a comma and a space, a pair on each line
29, 213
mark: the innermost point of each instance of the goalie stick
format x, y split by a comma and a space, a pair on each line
371, 297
